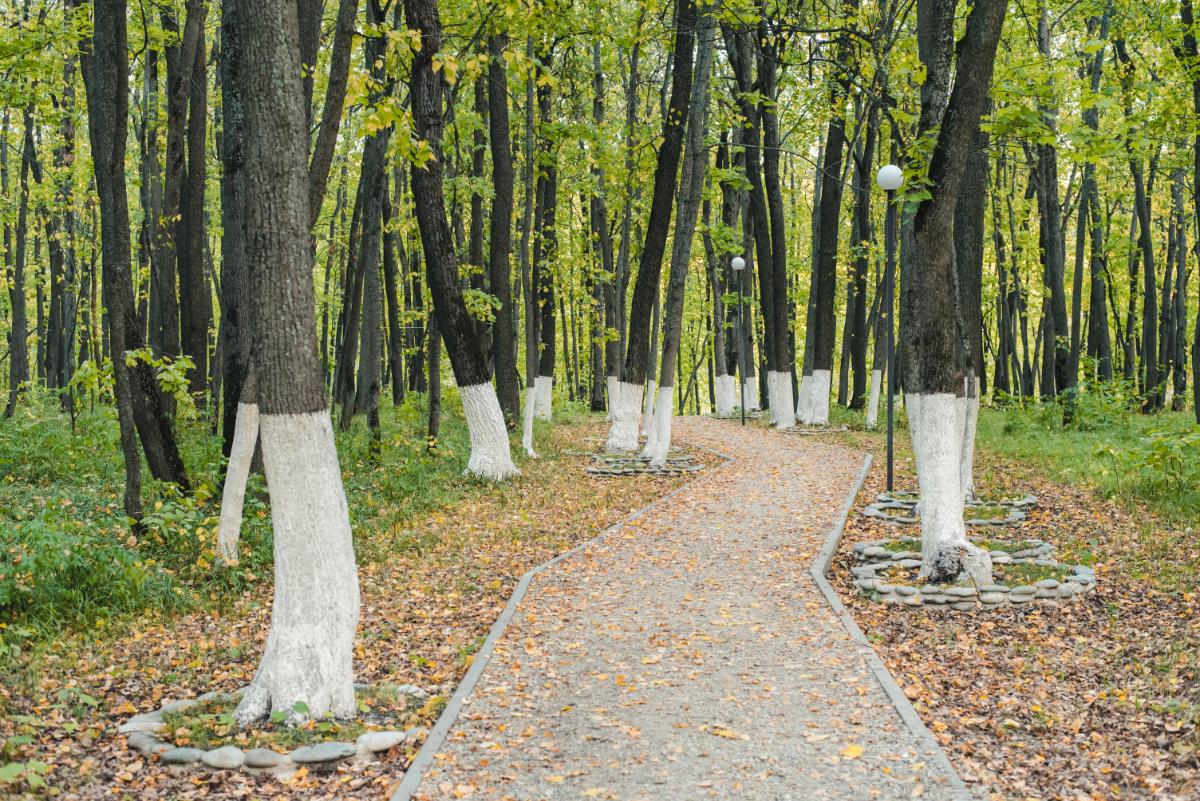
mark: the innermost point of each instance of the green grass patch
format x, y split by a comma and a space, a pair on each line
1012, 575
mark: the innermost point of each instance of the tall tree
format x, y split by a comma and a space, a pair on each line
490, 455
622, 436
306, 670
933, 358
504, 341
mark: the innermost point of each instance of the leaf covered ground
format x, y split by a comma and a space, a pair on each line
1097, 699
432, 585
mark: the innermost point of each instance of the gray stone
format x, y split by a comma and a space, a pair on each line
178, 706
323, 752
181, 756
1045, 563
146, 744
863, 571
1047, 602
992, 597
1047, 584
1066, 590
874, 550
867, 583
960, 592
148, 722
963, 606
935, 599
1019, 599
914, 600
375, 741
993, 588
1046, 593
902, 590
263, 758
884, 589
1001, 558
1024, 589
227, 757
909, 563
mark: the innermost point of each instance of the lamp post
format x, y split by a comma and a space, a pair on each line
890, 178
739, 266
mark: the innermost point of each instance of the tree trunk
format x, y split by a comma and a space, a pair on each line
933, 357
968, 261
195, 306
490, 456
306, 669
695, 164
622, 435
504, 344
331, 114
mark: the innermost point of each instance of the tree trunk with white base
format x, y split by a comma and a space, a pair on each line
813, 407
659, 443
307, 667
726, 394
779, 393
970, 405
636, 368
750, 385
873, 398
233, 494
490, 454
544, 385
648, 395
627, 409
614, 391
937, 444
934, 358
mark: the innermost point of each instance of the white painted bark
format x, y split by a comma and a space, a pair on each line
233, 495
544, 385
527, 422
623, 433
726, 394
779, 392
648, 396
970, 424
813, 408
310, 649
659, 445
614, 392
490, 454
873, 398
753, 404
912, 411
946, 554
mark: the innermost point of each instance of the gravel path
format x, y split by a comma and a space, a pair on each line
690, 656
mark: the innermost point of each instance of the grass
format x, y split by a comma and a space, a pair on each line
1011, 575
913, 544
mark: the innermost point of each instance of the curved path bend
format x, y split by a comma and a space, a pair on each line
690, 655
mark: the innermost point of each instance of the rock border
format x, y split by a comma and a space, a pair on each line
615, 464
911, 497
873, 551
143, 733
1047, 592
904, 514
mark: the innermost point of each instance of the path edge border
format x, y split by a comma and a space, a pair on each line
819, 570
441, 730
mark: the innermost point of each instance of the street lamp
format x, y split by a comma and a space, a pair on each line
890, 178
739, 266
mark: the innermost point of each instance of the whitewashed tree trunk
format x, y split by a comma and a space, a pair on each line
813, 407
726, 395
544, 385
946, 554
614, 392
527, 422
873, 398
309, 652
970, 424
753, 404
233, 495
779, 392
623, 433
659, 444
490, 454
648, 396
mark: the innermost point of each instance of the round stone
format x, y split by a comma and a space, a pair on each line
148, 722
181, 756
1024, 589
935, 599
323, 752
375, 741
1066, 590
914, 600
874, 551
909, 563
1047, 584
1001, 558
961, 592
993, 588
1047, 593
1019, 599
901, 590
263, 758
146, 744
992, 597
884, 589
963, 606
227, 757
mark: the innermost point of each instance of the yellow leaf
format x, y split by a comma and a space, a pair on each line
852, 751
